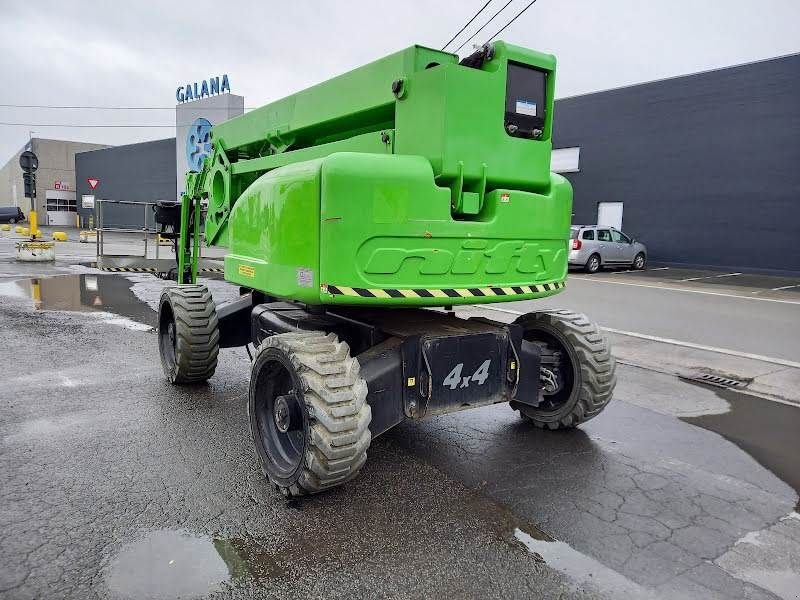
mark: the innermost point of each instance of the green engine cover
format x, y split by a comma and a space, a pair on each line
357, 228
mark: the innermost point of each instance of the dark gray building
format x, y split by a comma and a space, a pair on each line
142, 172
707, 166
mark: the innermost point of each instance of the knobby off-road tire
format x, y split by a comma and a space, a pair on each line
327, 429
188, 333
589, 372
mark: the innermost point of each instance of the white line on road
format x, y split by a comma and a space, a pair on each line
653, 338
711, 276
673, 289
786, 287
635, 271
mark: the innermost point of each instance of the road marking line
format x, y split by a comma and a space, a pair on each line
673, 289
786, 287
711, 276
658, 268
654, 338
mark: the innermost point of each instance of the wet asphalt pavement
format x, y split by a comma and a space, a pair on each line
115, 485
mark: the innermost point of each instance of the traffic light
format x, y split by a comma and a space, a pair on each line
29, 180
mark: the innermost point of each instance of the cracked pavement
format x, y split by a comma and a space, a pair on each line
98, 455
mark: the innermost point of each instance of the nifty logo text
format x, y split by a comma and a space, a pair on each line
473, 256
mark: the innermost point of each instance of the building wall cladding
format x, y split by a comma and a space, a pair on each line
708, 165
142, 172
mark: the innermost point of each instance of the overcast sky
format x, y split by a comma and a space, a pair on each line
109, 53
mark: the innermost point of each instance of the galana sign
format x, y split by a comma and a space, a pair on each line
208, 87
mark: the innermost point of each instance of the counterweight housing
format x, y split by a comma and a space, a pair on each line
413, 180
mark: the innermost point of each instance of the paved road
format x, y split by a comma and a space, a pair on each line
114, 485
697, 312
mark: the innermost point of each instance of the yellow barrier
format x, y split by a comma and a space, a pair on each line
60, 236
18, 229
24, 231
5, 227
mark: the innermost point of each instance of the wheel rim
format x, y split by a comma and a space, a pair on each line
280, 418
554, 401
639, 261
167, 339
594, 263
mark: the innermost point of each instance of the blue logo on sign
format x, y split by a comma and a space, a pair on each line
198, 143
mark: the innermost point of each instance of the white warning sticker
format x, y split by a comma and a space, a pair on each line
305, 277
526, 107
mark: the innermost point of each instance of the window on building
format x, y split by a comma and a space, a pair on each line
565, 160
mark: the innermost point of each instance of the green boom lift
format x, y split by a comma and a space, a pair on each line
356, 214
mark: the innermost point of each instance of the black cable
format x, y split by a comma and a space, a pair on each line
475, 16
68, 125
482, 26
519, 14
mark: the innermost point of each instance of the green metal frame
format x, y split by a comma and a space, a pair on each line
189, 256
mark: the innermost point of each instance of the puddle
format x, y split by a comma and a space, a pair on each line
100, 294
169, 564
766, 430
580, 568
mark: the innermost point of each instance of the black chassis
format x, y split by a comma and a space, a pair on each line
416, 362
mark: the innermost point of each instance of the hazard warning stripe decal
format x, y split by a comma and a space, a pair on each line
341, 290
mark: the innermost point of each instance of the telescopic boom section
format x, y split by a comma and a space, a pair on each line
414, 179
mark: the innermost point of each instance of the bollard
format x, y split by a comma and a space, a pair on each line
34, 224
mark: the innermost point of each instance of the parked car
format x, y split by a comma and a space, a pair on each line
595, 246
11, 214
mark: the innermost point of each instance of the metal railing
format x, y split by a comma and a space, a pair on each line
148, 228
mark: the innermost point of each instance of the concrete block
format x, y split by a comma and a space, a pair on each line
35, 251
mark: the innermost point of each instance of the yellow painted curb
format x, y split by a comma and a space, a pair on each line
35, 245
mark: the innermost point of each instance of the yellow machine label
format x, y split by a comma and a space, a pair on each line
247, 271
